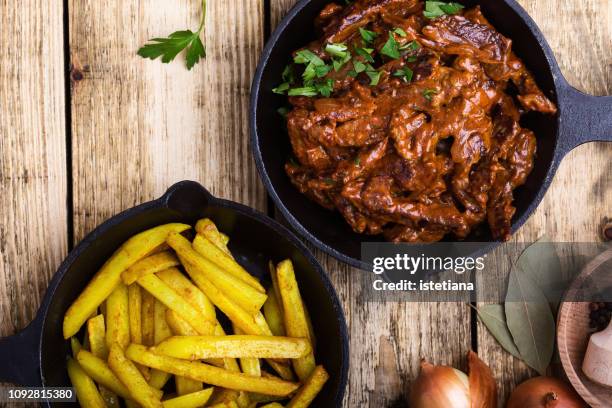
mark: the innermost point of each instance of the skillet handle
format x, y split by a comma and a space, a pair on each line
584, 118
19, 356
187, 197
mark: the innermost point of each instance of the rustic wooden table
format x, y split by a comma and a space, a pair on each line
87, 129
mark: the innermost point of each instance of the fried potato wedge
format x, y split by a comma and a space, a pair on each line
101, 373
190, 292
210, 251
128, 374
210, 374
308, 392
272, 313
151, 264
135, 313
244, 295
186, 385
148, 318
234, 346
96, 333
86, 390
117, 317
192, 400
172, 300
105, 280
296, 323
235, 313
208, 229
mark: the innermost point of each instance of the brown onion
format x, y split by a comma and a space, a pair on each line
447, 387
440, 387
545, 392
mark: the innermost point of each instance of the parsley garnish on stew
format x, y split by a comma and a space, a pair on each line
391, 47
169, 47
434, 9
404, 73
429, 93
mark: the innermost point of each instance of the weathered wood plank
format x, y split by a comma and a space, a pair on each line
140, 126
580, 196
388, 340
33, 211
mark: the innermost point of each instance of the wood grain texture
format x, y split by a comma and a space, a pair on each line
33, 213
140, 125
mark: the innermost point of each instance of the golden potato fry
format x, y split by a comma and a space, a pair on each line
211, 252
210, 374
96, 332
100, 372
208, 229
262, 399
234, 312
186, 385
193, 400
234, 346
275, 288
249, 365
117, 317
178, 325
148, 319
307, 393
192, 294
75, 346
162, 331
151, 264
85, 388
296, 324
273, 315
128, 374
224, 238
244, 295
172, 300
272, 405
282, 369
105, 280
135, 313
313, 339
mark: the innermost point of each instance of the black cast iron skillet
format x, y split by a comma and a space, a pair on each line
37, 355
581, 118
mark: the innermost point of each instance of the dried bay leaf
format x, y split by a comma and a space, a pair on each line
541, 262
530, 320
494, 318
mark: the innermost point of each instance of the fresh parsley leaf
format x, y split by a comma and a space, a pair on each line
339, 63
282, 88
374, 77
322, 70
366, 53
405, 73
428, 93
352, 73
367, 35
325, 88
411, 46
359, 66
304, 91
169, 47
435, 9
391, 47
337, 50
307, 57
288, 74
357, 161
400, 32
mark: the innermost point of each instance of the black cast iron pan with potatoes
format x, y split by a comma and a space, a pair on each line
37, 355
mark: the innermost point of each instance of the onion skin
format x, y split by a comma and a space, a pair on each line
545, 392
483, 389
439, 387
